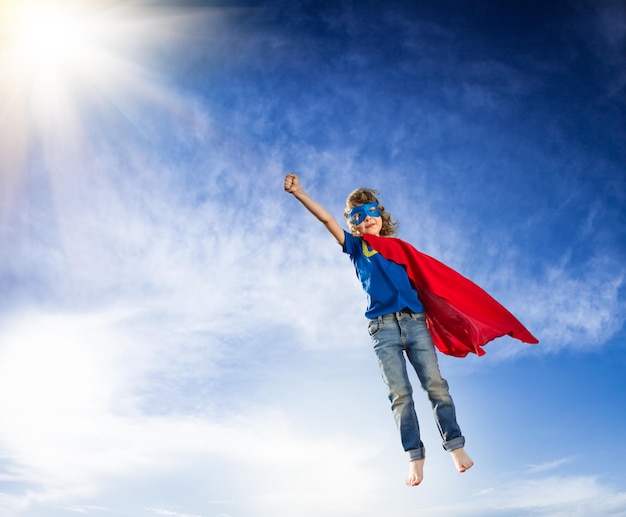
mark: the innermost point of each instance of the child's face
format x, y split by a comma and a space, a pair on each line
366, 218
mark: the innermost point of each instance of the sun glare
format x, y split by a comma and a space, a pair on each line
47, 38
45, 35
71, 70
52, 51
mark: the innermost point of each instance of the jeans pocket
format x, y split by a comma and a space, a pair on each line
373, 327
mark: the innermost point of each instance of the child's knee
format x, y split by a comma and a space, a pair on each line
401, 394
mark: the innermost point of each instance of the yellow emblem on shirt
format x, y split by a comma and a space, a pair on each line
367, 251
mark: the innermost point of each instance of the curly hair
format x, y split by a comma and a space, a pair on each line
362, 196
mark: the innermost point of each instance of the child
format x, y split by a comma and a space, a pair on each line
415, 303
397, 325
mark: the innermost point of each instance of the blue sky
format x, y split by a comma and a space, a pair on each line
178, 337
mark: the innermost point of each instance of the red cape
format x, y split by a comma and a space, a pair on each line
461, 316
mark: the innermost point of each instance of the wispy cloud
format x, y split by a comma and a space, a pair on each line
546, 496
561, 496
172, 513
583, 309
533, 469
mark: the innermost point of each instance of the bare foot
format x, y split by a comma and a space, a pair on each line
416, 472
462, 461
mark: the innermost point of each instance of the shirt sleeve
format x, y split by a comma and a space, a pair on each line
351, 244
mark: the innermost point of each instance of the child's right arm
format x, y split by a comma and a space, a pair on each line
292, 186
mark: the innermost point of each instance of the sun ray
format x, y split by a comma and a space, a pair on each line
47, 36
44, 40
69, 68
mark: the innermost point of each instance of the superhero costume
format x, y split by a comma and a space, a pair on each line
461, 316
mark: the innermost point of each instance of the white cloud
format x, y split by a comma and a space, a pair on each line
168, 304
581, 310
72, 424
74, 459
563, 496
555, 496
549, 465
172, 513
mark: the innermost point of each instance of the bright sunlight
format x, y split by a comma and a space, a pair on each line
76, 72
59, 58
47, 36
46, 41
53, 54
71, 70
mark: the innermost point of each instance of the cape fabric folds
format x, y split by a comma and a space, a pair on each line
461, 316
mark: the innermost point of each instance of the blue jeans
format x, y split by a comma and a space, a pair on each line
394, 335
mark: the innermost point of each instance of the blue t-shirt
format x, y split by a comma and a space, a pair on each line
386, 283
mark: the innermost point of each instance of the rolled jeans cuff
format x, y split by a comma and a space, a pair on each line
455, 443
416, 454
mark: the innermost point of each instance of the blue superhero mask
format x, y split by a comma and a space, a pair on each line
358, 214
